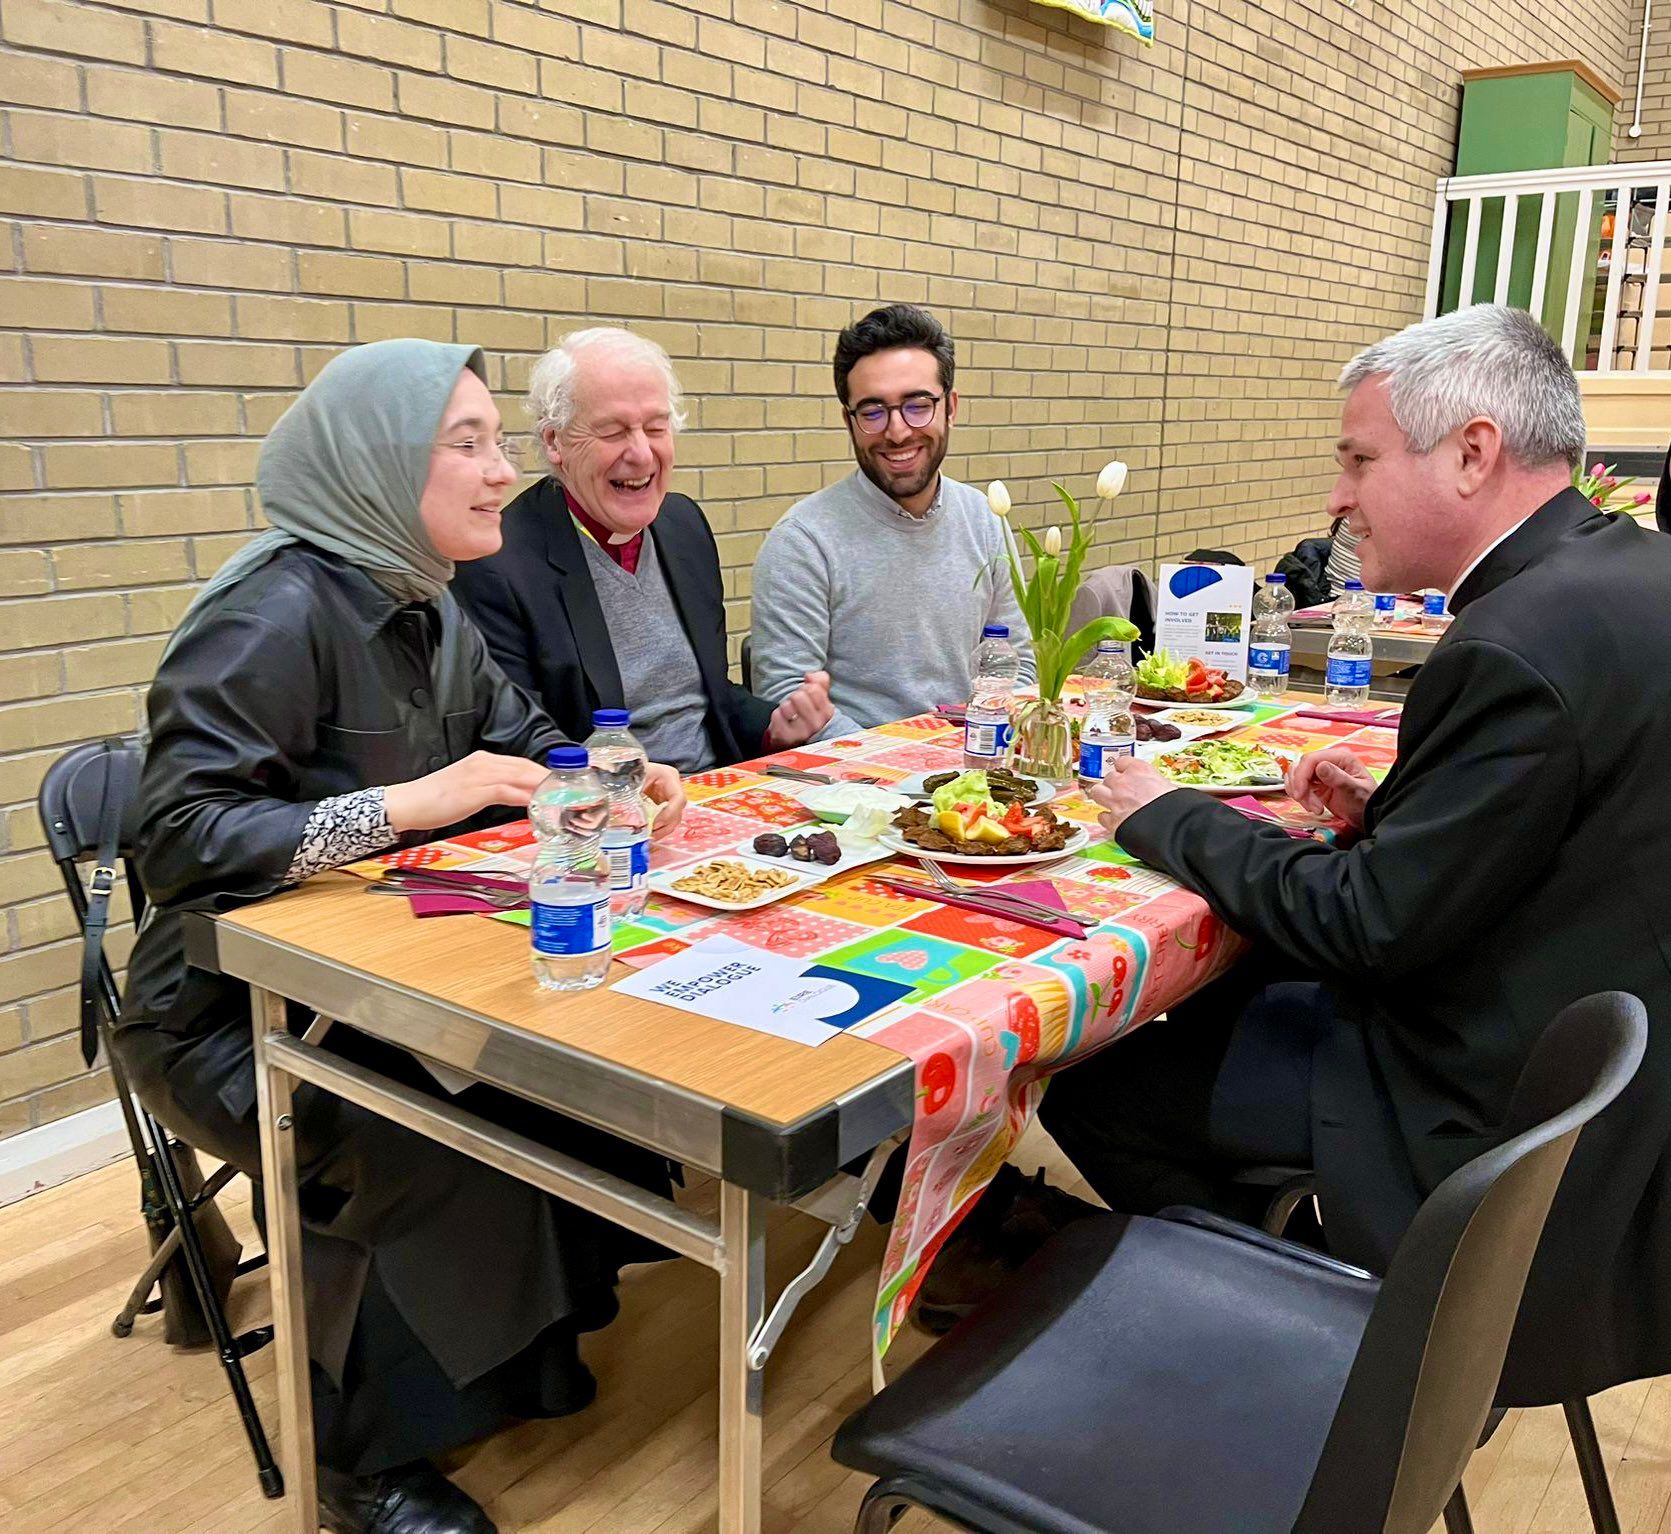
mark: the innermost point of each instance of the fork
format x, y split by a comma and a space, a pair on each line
987, 891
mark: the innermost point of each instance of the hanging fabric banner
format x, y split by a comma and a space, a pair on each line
1134, 16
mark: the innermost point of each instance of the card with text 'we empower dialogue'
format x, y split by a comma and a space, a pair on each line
771, 993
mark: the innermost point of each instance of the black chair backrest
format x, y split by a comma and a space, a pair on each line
72, 799
1427, 1368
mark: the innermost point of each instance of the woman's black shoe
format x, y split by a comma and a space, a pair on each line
410, 1499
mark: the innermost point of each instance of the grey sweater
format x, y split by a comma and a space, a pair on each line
887, 603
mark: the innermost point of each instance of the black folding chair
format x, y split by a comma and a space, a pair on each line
1190, 1375
86, 801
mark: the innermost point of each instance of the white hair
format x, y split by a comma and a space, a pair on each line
551, 384
1485, 360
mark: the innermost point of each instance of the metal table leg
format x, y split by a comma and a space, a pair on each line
284, 1251
742, 1303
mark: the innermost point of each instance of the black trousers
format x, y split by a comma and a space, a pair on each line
443, 1297
1223, 1083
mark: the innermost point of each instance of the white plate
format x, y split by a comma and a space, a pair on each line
914, 785
1248, 699
818, 797
851, 857
1230, 719
896, 843
1232, 790
663, 879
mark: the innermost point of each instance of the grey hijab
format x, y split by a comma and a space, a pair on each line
344, 469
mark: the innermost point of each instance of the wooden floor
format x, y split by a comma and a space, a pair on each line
99, 1435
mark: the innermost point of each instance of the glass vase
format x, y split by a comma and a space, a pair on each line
1043, 742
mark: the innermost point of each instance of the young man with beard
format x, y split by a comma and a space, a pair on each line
872, 579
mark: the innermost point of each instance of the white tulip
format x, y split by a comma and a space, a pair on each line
1111, 481
1053, 541
998, 498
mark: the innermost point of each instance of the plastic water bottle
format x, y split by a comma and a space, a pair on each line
986, 729
1386, 607
1434, 616
568, 886
619, 760
1108, 731
1271, 644
1346, 681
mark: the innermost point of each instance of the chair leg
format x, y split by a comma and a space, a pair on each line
881, 1509
139, 1300
1592, 1470
1458, 1520
226, 1345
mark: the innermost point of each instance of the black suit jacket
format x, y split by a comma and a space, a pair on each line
1517, 857
537, 607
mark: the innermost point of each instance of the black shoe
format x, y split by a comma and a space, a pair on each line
1015, 1217
410, 1499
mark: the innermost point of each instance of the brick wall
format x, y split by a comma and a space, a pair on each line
1160, 254
1655, 142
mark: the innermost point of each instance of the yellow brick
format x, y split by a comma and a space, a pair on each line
238, 366
503, 330
199, 209
37, 82
494, 158
209, 554
213, 55
605, 296
92, 252
452, 285
213, 264
728, 120
406, 143
640, 141
583, 172
52, 413
42, 193
445, 101
631, 220
166, 512
324, 77
131, 562
157, 609
126, 663
283, 120
485, 64
580, 85
222, 161
399, 234
55, 140
175, 414
394, 42
439, 192
261, 414
100, 359
720, 39
535, 32
39, 1065
497, 245
660, 103
383, 322
109, 465
459, 15
651, 18
57, 621
55, 26
697, 72
541, 206
658, 184
153, 311
583, 253
38, 674
221, 463
334, 178
82, 1092
40, 519
551, 122
286, 220
180, 10
149, 97
547, 292
17, 467
293, 21
293, 319
616, 53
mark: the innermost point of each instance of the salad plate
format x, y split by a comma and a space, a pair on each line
1164, 679
917, 783
1218, 767
965, 823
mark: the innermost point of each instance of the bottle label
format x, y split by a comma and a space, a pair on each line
1386, 602
1269, 658
629, 865
1343, 672
1433, 603
986, 739
570, 931
1095, 759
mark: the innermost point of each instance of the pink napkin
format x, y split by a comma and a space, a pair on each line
1349, 715
1041, 890
452, 905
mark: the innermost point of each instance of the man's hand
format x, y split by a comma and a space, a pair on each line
1332, 782
461, 790
666, 790
1126, 789
802, 714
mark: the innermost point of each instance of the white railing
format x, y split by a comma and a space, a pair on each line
1599, 297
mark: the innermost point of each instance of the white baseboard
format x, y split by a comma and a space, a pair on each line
42, 1158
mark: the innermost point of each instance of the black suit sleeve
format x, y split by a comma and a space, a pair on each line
493, 606
1470, 817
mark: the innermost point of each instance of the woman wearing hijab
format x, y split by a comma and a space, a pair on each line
323, 700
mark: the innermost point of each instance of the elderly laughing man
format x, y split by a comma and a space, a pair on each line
607, 592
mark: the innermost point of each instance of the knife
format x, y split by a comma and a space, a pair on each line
1061, 922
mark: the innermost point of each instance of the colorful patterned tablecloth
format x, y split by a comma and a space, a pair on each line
995, 1006
1406, 620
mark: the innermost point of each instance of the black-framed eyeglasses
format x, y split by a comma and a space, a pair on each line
916, 410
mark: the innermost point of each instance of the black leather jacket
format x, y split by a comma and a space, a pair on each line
306, 680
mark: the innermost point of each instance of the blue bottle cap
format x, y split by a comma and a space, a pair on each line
610, 718
995, 631
559, 758
1354, 585
1276, 578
